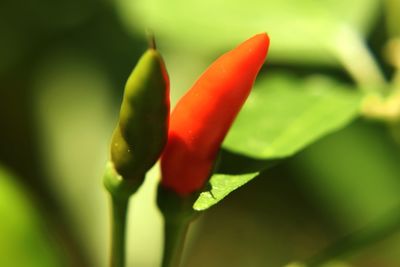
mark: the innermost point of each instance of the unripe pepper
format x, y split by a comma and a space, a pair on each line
141, 133
203, 116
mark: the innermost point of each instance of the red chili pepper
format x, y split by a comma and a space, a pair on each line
205, 113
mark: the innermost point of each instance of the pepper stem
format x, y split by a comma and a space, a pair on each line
119, 207
174, 239
178, 213
120, 191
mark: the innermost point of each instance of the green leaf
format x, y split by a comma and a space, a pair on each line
301, 31
221, 185
23, 237
284, 114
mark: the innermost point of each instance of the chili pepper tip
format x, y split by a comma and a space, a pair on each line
151, 39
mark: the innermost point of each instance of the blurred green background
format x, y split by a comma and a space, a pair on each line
63, 65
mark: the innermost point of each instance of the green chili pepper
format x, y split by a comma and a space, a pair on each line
141, 133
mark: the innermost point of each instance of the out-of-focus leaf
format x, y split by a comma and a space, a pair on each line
353, 174
71, 92
301, 31
295, 264
222, 185
23, 241
283, 115
22, 37
329, 264
392, 9
371, 233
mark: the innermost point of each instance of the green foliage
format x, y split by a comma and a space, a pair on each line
302, 31
353, 173
282, 116
221, 185
23, 241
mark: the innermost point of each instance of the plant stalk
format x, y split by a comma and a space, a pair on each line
119, 207
174, 239
351, 50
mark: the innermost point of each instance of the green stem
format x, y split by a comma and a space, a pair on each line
119, 208
351, 50
174, 239
120, 191
178, 213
